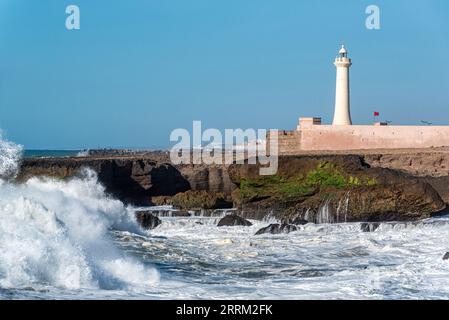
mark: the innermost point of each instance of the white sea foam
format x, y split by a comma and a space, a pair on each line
327, 261
56, 233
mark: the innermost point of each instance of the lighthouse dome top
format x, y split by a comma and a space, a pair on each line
343, 50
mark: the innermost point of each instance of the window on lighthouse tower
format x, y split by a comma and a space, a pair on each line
343, 52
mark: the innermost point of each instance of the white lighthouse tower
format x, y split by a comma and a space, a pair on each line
342, 115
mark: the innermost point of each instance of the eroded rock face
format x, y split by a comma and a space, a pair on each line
233, 220
138, 180
147, 220
426, 164
351, 191
277, 229
430, 167
209, 178
131, 180
161, 200
200, 200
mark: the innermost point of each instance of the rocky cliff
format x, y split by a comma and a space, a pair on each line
330, 188
333, 189
132, 180
430, 167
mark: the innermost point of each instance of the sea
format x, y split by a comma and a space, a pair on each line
30, 153
70, 240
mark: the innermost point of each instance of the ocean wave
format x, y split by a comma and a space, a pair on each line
57, 233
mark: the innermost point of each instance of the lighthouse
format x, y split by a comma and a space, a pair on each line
342, 115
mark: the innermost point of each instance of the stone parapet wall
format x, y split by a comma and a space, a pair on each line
288, 141
361, 137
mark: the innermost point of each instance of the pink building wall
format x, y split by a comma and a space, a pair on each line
359, 137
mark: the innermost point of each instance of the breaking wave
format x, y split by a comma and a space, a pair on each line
57, 233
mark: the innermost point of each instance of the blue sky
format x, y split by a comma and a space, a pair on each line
138, 69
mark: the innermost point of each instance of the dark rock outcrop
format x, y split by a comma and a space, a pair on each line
369, 227
147, 220
446, 256
299, 221
233, 220
277, 229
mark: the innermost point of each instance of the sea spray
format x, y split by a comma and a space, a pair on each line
57, 233
10, 154
83, 153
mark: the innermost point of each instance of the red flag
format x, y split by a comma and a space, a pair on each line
376, 114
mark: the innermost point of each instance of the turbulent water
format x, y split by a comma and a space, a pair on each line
69, 240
